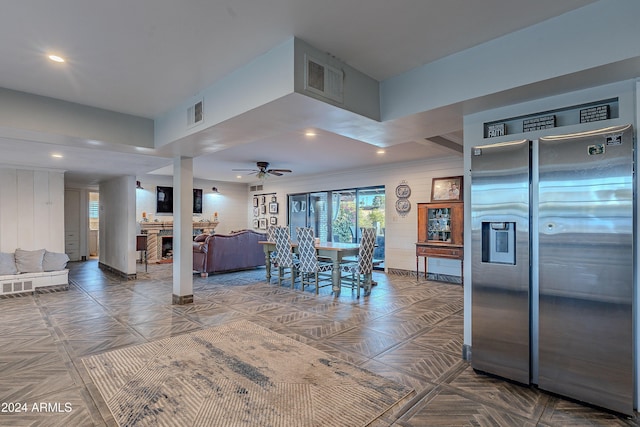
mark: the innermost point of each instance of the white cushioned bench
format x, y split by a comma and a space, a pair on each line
28, 282
25, 271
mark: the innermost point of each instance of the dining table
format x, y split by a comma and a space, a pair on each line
335, 251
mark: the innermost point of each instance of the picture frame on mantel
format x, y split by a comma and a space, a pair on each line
448, 189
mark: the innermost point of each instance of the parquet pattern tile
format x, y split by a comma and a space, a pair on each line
312, 328
449, 409
215, 316
364, 341
560, 412
416, 359
441, 339
402, 327
407, 330
286, 315
522, 400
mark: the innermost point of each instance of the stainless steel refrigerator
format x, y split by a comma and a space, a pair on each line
552, 264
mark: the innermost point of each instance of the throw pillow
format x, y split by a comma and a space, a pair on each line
7, 264
29, 261
201, 237
54, 261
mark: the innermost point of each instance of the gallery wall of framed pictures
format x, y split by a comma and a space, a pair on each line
265, 211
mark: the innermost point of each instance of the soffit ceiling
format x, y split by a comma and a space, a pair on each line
145, 57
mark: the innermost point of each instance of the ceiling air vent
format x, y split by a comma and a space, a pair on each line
323, 79
195, 114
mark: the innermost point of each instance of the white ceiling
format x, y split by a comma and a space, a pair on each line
145, 57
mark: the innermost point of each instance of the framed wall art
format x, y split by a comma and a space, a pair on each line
446, 189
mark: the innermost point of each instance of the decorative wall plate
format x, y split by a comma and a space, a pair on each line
403, 191
403, 206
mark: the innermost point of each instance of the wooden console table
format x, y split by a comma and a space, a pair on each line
434, 250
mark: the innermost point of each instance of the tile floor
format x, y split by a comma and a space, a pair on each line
405, 330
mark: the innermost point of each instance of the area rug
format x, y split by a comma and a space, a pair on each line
239, 374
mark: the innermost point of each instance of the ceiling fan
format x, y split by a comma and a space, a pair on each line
263, 170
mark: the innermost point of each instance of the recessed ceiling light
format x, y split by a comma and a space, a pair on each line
57, 156
56, 58
238, 176
380, 152
310, 133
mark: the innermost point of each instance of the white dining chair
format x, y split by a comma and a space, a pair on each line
359, 272
286, 263
312, 271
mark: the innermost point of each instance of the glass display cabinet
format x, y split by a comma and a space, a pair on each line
440, 232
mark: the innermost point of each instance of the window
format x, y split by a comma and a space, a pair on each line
94, 209
338, 215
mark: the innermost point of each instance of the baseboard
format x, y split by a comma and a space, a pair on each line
430, 276
182, 299
466, 352
117, 272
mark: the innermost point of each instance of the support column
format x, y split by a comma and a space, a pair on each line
182, 230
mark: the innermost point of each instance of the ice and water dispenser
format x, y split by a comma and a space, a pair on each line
499, 242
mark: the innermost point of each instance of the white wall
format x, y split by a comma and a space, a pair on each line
401, 232
264, 79
48, 120
361, 93
117, 224
602, 33
31, 210
230, 202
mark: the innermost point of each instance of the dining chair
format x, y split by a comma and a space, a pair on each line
359, 271
273, 255
311, 269
285, 260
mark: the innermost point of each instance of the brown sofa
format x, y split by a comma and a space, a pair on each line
227, 252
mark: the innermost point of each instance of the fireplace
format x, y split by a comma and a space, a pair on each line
160, 237
166, 247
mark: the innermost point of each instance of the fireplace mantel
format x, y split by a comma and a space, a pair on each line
206, 226
156, 230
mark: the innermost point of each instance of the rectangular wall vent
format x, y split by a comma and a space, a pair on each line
323, 79
195, 114
256, 187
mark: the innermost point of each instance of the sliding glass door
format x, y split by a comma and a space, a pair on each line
344, 220
318, 211
338, 215
297, 212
